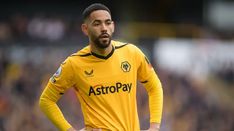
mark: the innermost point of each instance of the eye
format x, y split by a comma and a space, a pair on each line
96, 23
108, 22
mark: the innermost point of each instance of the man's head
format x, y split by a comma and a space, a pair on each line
98, 25
94, 7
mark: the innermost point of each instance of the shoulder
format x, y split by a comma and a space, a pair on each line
124, 45
81, 53
128, 48
118, 44
77, 56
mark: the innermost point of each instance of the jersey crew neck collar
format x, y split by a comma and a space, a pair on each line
104, 57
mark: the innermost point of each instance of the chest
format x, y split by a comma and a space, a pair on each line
115, 74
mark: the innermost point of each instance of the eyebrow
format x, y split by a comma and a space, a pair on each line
107, 20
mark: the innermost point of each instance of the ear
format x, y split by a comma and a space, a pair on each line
113, 24
84, 28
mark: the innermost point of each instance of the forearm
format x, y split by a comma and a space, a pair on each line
48, 105
155, 105
155, 93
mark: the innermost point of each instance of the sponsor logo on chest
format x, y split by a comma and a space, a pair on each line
103, 90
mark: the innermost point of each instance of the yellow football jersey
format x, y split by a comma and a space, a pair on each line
105, 85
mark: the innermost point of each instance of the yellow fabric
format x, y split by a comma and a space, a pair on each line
151, 82
105, 87
155, 92
48, 105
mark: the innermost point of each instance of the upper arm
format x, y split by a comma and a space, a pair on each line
63, 77
145, 69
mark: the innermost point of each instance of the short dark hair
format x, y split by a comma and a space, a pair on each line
92, 8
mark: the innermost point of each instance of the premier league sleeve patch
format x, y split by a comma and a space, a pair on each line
56, 74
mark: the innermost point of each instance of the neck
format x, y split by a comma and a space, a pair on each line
100, 51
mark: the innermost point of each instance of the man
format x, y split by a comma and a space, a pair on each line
104, 75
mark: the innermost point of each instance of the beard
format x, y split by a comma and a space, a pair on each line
102, 41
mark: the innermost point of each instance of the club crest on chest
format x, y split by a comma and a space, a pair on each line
125, 66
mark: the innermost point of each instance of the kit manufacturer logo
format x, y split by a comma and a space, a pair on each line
89, 73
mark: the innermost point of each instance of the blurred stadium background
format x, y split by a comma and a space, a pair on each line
190, 44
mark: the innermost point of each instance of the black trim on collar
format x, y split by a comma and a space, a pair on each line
104, 57
84, 55
117, 47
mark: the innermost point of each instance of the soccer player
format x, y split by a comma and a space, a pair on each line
104, 75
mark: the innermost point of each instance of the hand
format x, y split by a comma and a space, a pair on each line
82, 129
71, 129
153, 127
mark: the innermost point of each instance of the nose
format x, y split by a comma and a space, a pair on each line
104, 28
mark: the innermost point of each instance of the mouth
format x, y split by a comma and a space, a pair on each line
104, 36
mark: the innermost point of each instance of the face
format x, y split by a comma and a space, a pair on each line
99, 28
